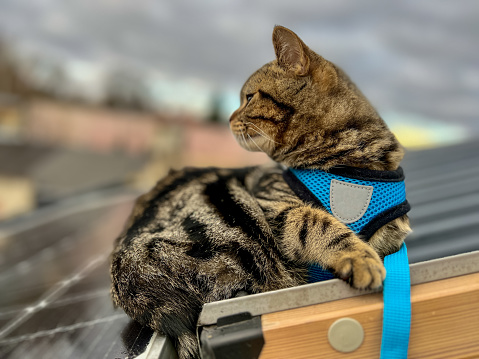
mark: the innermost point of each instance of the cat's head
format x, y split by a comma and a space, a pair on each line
303, 111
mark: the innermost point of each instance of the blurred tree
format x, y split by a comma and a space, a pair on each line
215, 114
125, 89
55, 83
11, 80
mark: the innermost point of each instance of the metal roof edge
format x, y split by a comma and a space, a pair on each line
335, 289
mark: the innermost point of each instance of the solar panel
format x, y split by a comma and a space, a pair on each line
54, 275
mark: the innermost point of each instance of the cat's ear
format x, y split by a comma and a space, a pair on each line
291, 52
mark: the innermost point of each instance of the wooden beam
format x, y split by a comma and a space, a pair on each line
445, 324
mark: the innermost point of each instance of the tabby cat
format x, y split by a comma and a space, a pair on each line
203, 235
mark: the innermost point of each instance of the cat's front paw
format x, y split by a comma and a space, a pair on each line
361, 269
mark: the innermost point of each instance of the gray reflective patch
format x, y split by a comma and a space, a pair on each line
349, 201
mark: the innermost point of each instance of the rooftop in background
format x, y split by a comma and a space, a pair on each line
59, 173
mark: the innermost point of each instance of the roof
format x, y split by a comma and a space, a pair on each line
54, 264
18, 160
59, 173
442, 186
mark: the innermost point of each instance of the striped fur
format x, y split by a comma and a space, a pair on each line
203, 235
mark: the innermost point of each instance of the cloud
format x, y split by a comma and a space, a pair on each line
396, 51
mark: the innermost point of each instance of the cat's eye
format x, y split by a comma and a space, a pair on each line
249, 97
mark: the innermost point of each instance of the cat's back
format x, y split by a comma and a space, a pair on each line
201, 195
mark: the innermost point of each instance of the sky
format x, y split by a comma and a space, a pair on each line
417, 58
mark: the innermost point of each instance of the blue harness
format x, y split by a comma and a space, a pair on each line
365, 200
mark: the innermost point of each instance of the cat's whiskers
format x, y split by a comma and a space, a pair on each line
260, 132
243, 137
251, 138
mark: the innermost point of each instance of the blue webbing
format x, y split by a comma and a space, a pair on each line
397, 306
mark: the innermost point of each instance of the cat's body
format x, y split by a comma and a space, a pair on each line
203, 235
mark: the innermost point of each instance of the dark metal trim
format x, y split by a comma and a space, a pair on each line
238, 336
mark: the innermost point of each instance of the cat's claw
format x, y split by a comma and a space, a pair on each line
362, 270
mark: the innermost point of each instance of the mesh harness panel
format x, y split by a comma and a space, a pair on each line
387, 201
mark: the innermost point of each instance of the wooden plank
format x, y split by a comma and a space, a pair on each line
445, 324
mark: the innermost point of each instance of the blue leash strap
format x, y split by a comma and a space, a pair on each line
397, 306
